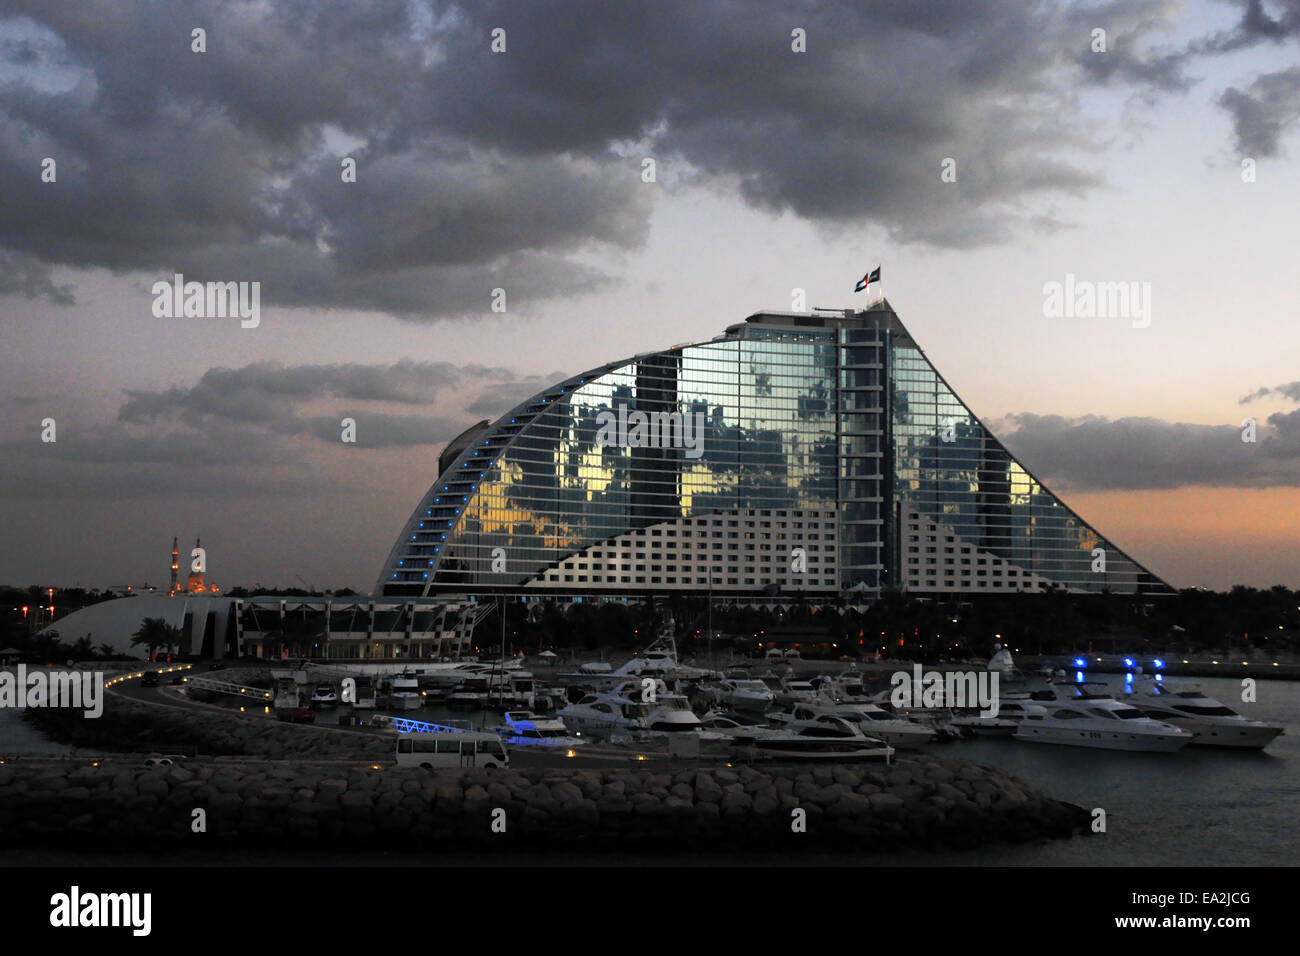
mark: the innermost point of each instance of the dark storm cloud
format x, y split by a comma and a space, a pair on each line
478, 171
269, 391
1271, 21
1264, 111
1290, 390
1093, 453
30, 277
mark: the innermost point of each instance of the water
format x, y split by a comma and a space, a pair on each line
17, 736
1199, 806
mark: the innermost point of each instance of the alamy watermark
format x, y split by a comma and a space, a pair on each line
953, 689
1084, 299
638, 429
41, 687
212, 300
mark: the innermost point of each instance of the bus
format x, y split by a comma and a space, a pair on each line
451, 750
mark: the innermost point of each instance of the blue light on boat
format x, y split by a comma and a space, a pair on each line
1080, 662
1078, 676
1158, 662
1128, 678
1160, 677
1128, 662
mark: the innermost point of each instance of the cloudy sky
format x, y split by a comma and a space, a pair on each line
1168, 158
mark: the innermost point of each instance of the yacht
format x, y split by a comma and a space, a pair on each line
604, 714
526, 729
324, 695
471, 693
793, 692
735, 724
902, 733
1085, 715
1012, 710
823, 737
404, 693
511, 690
659, 659
748, 694
1212, 723
668, 711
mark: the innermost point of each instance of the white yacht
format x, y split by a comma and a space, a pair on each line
526, 729
823, 737
404, 694
324, 695
668, 711
514, 689
902, 733
1012, 710
1085, 715
748, 694
793, 692
1212, 723
603, 714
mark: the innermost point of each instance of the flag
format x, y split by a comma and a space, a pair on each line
866, 280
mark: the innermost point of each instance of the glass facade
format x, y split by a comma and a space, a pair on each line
793, 453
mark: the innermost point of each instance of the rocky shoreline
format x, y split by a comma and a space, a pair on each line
920, 803
338, 788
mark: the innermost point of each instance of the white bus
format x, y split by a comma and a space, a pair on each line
452, 749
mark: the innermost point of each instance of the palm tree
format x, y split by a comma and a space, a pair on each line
155, 632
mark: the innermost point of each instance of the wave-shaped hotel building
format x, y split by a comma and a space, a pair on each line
816, 454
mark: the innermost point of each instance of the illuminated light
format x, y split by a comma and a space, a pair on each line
1184, 662
1158, 662
640, 756
266, 710
1078, 676
571, 753
1214, 662
1128, 678
1160, 678
241, 710
1080, 662
1128, 662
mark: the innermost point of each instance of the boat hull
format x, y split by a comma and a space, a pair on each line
1101, 740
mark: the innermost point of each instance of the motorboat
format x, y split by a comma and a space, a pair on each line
471, 693
603, 714
669, 711
526, 729
514, 689
791, 692
902, 733
1212, 723
735, 724
1086, 715
822, 737
324, 695
404, 693
1012, 710
748, 694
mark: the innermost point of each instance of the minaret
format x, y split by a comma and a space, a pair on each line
175, 564
194, 584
